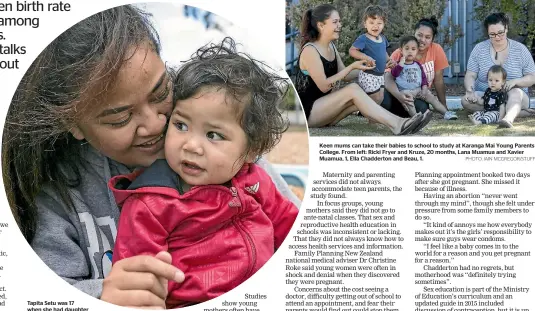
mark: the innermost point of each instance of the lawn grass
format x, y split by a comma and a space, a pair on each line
355, 125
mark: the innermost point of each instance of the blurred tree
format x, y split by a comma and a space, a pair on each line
288, 102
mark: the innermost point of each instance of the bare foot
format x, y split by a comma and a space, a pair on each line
474, 121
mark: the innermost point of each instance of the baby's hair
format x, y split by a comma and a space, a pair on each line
403, 41
498, 69
251, 86
374, 11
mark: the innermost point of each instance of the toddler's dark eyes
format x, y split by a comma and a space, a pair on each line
214, 136
181, 126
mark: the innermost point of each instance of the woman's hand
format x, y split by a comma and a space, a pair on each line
391, 63
509, 85
362, 65
140, 281
470, 96
369, 61
406, 100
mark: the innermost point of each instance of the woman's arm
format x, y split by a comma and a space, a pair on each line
526, 81
311, 62
57, 243
528, 70
440, 87
469, 81
358, 65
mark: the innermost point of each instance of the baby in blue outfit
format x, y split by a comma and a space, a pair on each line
371, 47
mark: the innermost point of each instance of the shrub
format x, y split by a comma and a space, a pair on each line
288, 102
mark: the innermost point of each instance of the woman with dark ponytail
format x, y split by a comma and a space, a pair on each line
433, 59
321, 68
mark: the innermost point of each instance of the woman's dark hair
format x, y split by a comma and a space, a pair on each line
250, 85
496, 18
431, 22
374, 11
70, 76
406, 40
309, 23
498, 69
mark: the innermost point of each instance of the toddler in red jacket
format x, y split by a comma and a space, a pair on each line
208, 204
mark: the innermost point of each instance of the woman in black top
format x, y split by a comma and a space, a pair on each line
321, 68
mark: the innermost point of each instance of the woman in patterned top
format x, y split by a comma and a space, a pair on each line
514, 57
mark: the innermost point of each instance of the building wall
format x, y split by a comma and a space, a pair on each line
461, 12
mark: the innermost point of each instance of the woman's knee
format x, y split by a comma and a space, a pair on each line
352, 92
353, 88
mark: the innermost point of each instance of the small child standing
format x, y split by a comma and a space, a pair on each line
208, 204
371, 47
494, 98
410, 76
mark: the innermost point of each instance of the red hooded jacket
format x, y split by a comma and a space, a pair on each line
218, 236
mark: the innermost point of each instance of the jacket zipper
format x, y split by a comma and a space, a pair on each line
245, 234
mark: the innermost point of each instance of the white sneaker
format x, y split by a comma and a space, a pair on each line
450, 115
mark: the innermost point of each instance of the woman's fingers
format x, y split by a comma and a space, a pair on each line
509, 85
362, 65
144, 263
142, 281
165, 257
137, 298
408, 100
470, 97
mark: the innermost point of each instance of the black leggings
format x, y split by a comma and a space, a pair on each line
393, 105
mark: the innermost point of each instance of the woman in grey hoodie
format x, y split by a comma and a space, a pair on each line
94, 104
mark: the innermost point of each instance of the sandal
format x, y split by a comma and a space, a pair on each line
407, 128
504, 124
426, 118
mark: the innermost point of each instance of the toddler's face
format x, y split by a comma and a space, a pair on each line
204, 140
409, 51
374, 26
495, 81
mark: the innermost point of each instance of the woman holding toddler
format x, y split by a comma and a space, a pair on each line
514, 58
